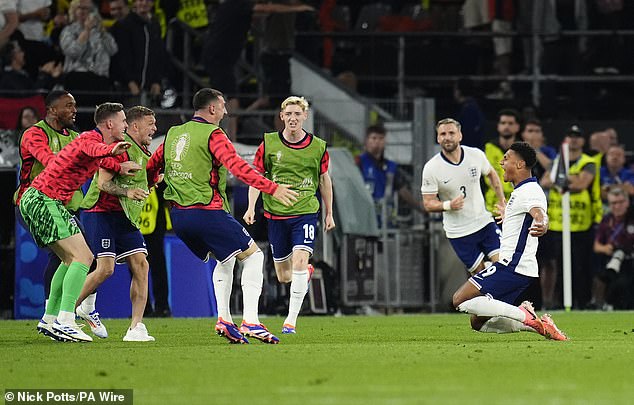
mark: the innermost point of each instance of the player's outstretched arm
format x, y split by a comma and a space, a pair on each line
285, 195
325, 188
120, 147
540, 222
225, 152
249, 215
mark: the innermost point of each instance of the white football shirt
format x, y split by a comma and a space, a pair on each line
517, 247
449, 180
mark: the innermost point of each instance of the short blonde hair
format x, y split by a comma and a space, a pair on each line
295, 100
446, 121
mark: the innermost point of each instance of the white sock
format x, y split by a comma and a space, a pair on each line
223, 281
299, 287
485, 306
252, 277
499, 324
88, 304
48, 318
66, 318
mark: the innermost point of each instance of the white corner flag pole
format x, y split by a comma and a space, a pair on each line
566, 252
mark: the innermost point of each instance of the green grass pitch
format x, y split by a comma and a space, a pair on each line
415, 359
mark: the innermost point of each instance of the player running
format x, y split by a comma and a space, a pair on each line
294, 157
112, 208
50, 223
451, 185
197, 155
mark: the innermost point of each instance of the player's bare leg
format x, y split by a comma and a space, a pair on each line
104, 269
284, 270
139, 268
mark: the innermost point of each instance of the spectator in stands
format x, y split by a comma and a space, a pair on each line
16, 82
381, 175
27, 117
613, 136
142, 59
502, 13
476, 17
614, 243
563, 55
87, 48
119, 9
278, 43
585, 211
224, 42
470, 115
614, 172
32, 15
606, 15
599, 143
508, 128
534, 135
8, 21
58, 22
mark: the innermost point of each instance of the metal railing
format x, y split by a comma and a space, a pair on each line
399, 40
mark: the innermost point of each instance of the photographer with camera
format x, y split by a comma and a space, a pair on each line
614, 242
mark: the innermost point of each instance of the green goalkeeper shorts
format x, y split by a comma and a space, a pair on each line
47, 219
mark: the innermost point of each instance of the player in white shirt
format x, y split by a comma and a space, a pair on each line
451, 185
489, 295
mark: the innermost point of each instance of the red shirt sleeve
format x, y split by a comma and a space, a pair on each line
156, 162
325, 162
35, 142
93, 146
155, 166
225, 152
258, 160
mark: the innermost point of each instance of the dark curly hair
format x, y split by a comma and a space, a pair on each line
526, 152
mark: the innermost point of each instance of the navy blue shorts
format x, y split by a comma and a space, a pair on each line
501, 282
210, 232
471, 249
111, 234
286, 235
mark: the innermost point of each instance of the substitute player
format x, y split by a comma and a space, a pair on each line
294, 157
112, 208
50, 223
38, 146
489, 295
451, 185
197, 155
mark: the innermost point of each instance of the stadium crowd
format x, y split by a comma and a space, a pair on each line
93, 48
